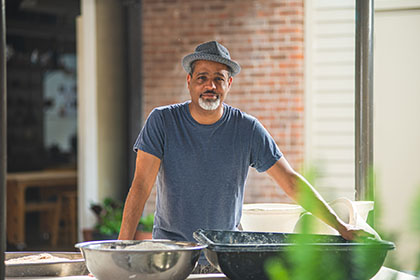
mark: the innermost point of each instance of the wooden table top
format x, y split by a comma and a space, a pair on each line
42, 175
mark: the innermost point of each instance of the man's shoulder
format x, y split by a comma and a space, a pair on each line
162, 114
165, 111
171, 107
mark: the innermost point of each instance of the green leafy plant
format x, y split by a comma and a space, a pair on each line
109, 217
146, 223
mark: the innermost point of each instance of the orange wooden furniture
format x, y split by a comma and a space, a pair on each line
68, 216
17, 207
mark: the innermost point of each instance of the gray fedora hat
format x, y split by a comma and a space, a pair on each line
212, 51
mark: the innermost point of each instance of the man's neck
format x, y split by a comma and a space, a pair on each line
206, 116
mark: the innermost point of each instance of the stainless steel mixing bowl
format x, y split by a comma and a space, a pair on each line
123, 259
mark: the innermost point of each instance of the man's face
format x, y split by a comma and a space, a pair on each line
209, 84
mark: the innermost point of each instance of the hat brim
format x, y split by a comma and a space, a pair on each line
187, 60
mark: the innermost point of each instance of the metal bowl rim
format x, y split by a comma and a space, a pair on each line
203, 237
184, 245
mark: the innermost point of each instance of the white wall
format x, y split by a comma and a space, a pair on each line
329, 94
397, 128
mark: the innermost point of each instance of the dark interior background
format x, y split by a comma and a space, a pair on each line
38, 34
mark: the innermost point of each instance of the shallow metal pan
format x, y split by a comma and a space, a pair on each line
74, 266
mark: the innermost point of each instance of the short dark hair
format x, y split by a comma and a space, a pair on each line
192, 66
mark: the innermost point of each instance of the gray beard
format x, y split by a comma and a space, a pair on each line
209, 105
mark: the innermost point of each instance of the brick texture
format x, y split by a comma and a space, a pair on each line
266, 37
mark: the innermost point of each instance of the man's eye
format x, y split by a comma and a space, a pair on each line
201, 78
219, 79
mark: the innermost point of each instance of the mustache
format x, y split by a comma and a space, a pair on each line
209, 91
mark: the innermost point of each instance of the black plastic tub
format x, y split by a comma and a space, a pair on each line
256, 255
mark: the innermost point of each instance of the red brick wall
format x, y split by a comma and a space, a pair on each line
266, 37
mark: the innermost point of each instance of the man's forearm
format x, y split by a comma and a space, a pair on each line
300, 190
147, 167
311, 200
133, 210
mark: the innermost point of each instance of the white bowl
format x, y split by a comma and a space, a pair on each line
270, 217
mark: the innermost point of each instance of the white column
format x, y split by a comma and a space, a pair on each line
87, 113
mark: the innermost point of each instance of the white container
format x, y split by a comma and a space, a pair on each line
363, 208
270, 217
349, 210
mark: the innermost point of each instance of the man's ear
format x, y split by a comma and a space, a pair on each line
188, 79
230, 81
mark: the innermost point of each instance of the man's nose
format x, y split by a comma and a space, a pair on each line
210, 84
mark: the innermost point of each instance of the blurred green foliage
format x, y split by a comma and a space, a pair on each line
308, 262
109, 217
304, 261
146, 223
415, 217
415, 212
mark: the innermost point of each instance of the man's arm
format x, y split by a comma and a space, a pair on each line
147, 167
300, 190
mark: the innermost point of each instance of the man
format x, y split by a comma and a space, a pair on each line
200, 152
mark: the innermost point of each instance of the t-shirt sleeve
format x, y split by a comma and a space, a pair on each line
264, 150
151, 137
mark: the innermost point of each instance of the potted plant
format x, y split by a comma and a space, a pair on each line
109, 218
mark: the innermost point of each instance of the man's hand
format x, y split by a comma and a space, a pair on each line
350, 232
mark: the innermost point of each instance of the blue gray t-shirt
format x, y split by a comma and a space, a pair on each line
203, 169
